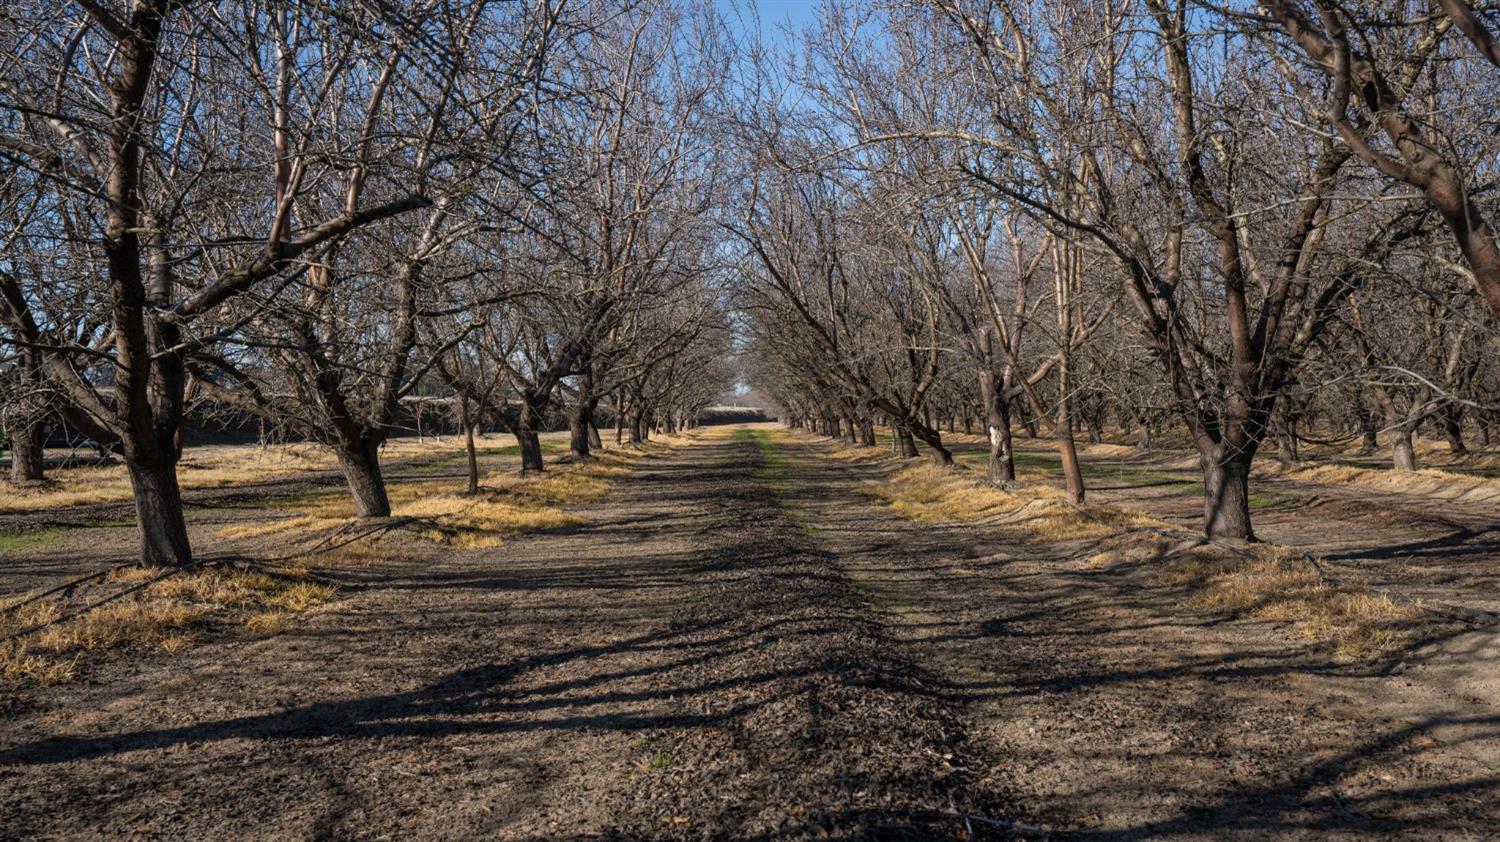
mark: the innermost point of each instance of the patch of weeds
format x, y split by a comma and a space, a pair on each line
774, 467
654, 762
30, 539
267, 623
1264, 502
773, 473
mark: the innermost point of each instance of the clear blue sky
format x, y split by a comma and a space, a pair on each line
774, 14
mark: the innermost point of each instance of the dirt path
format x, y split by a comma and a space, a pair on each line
683, 665
738, 645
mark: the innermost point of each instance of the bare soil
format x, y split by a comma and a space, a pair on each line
737, 644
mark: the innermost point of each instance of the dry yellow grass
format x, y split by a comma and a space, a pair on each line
477, 522
1275, 584
863, 454
933, 494
1427, 482
206, 467
508, 505
1105, 450
165, 614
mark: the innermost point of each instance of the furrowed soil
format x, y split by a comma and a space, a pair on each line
736, 643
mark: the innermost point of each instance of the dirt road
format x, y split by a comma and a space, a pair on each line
736, 644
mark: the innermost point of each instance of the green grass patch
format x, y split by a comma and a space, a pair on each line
29, 540
773, 472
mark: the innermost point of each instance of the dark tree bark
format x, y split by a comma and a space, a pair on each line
359, 457
1226, 498
908, 445
939, 454
526, 429
158, 503
466, 419
1369, 430
637, 427
1450, 421
1001, 466
27, 438
581, 432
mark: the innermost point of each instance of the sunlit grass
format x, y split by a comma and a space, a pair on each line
933, 494
167, 615
222, 466
1428, 482
507, 505
1277, 585
1272, 583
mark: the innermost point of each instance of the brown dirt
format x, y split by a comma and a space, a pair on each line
725, 651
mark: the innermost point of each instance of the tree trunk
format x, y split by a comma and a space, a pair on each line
1002, 464
467, 420
1028, 422
579, 425
934, 441
1286, 437
27, 440
1286, 447
526, 433
1226, 496
158, 511
360, 460
620, 417
1063, 432
583, 418
637, 427
1450, 422
1369, 429
595, 443
1072, 473
908, 444
866, 432
1403, 455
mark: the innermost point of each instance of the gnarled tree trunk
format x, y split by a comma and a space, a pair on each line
27, 438
1001, 467
526, 430
359, 457
907, 444
158, 507
1403, 454
1226, 494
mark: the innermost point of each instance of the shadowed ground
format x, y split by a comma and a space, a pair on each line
736, 644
